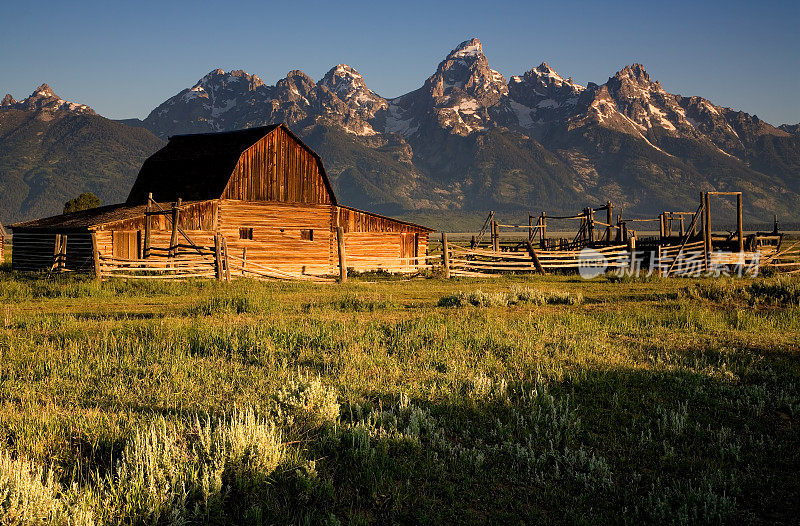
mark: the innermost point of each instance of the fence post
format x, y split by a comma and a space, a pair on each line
543, 232
739, 221
342, 254
535, 258
632, 250
173, 240
56, 251
706, 230
609, 220
148, 221
445, 256
530, 227
217, 257
96, 257
244, 259
226, 260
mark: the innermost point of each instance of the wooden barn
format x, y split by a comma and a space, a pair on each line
260, 193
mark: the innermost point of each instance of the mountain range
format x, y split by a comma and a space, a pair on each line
468, 140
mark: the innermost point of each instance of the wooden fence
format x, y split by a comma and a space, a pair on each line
692, 259
786, 260
192, 261
466, 261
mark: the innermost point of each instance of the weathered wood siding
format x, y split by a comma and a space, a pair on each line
278, 234
358, 221
34, 250
121, 238
376, 242
384, 250
278, 168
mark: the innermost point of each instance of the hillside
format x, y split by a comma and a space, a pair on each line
51, 151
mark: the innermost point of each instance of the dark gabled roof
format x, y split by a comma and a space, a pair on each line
93, 217
83, 219
194, 167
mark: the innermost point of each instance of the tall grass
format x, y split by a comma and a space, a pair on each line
367, 402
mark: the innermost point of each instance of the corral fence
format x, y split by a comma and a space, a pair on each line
453, 259
785, 260
183, 261
467, 261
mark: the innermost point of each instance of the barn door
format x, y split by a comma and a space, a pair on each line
126, 244
407, 249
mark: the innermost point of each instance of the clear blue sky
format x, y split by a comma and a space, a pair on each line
125, 58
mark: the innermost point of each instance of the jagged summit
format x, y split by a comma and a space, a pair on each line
43, 91
349, 85
468, 48
462, 96
343, 79
634, 71
220, 76
44, 98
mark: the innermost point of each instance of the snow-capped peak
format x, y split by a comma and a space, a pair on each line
219, 77
545, 70
45, 99
349, 86
343, 79
468, 48
43, 91
634, 71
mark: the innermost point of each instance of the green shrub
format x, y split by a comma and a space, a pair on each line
357, 304
782, 291
177, 472
515, 296
307, 403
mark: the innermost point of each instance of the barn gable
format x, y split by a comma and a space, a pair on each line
257, 164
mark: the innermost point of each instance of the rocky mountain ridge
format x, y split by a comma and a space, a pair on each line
468, 140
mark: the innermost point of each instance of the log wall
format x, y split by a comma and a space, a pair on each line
279, 240
35, 250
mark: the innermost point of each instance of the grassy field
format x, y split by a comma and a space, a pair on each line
504, 401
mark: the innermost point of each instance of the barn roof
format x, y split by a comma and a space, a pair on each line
199, 166
93, 217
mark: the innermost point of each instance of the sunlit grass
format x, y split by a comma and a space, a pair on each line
662, 400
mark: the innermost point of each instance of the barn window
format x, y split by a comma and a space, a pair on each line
307, 234
246, 232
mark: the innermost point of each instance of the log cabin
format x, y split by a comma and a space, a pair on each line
262, 191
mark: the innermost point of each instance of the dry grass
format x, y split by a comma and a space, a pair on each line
542, 400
